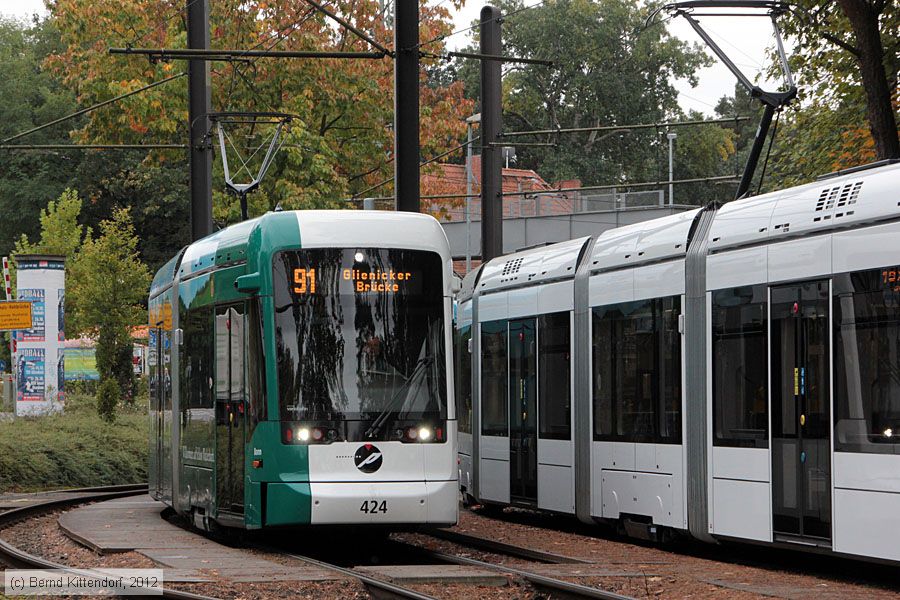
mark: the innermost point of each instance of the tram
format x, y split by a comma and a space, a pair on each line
299, 374
730, 372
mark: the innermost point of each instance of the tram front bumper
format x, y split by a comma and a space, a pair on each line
432, 502
372, 503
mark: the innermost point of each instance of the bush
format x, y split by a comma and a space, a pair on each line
72, 449
108, 395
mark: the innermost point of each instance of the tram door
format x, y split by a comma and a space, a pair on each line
801, 417
230, 408
158, 397
523, 411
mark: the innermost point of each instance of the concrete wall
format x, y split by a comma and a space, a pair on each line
522, 232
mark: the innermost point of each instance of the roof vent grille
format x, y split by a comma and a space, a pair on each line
512, 267
840, 195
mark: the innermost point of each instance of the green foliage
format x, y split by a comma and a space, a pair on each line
73, 449
109, 281
106, 292
60, 232
108, 396
31, 96
827, 129
608, 69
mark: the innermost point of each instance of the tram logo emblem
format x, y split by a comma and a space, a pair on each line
367, 458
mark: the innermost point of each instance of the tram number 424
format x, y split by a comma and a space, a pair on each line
373, 507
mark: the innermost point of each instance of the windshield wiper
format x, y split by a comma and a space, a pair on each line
383, 416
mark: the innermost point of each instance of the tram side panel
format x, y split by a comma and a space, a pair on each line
493, 470
637, 372
463, 347
867, 390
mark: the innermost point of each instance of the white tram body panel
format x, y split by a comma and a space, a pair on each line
524, 313
771, 325
630, 266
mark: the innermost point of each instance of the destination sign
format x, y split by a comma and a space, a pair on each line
363, 281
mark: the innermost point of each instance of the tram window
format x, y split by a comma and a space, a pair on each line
463, 381
554, 376
740, 368
197, 370
867, 362
668, 311
494, 369
256, 365
637, 371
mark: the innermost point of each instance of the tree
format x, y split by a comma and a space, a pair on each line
60, 231
608, 69
847, 58
341, 139
31, 97
108, 285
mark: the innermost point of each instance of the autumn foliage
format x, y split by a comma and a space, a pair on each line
341, 140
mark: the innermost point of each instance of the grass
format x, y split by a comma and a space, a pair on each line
73, 449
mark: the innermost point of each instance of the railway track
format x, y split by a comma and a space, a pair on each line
377, 588
556, 588
14, 557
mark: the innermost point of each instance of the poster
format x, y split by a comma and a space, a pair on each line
30, 375
39, 363
38, 315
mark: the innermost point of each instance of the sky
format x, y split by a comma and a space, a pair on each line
744, 40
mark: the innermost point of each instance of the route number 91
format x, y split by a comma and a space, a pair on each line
373, 507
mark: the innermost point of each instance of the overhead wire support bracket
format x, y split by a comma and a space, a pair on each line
509, 59
237, 55
771, 100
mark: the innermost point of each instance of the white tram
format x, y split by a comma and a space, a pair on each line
730, 372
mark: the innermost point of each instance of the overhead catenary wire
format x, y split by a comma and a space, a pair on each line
629, 127
94, 107
421, 164
479, 24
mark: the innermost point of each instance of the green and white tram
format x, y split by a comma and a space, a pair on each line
299, 373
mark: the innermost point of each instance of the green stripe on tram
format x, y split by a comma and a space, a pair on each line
287, 498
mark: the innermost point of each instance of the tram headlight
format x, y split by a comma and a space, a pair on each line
303, 434
424, 434
888, 432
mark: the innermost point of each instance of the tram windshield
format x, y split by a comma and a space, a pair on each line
360, 336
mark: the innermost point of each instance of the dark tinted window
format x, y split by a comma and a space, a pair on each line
359, 335
554, 376
197, 370
463, 382
637, 371
867, 361
740, 367
256, 365
494, 378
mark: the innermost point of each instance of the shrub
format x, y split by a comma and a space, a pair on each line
108, 395
72, 449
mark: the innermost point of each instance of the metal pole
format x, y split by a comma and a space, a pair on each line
671, 135
469, 197
406, 105
198, 108
491, 175
755, 151
12, 334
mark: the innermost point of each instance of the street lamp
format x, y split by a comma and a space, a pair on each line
470, 122
671, 137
